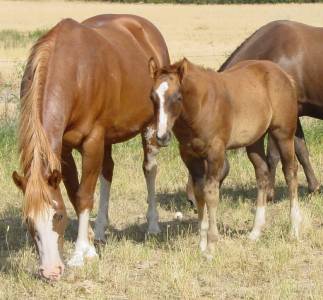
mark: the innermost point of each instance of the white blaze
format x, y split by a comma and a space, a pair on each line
162, 122
47, 239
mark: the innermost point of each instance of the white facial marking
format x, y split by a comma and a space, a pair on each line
101, 221
162, 122
47, 239
259, 223
83, 248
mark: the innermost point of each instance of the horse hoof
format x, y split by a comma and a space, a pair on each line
314, 189
254, 236
76, 261
91, 253
154, 230
208, 256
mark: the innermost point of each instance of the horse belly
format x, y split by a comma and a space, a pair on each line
251, 127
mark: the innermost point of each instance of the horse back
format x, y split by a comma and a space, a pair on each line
296, 47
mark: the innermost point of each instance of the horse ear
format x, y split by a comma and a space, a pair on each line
152, 68
19, 181
54, 179
182, 68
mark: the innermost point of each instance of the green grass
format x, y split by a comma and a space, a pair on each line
132, 266
13, 38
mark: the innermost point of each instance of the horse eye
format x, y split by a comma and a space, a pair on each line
58, 217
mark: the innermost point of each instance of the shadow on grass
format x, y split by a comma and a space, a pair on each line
14, 235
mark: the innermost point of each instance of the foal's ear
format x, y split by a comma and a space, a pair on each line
19, 181
182, 68
152, 68
54, 179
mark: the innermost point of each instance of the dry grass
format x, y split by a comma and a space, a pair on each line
132, 266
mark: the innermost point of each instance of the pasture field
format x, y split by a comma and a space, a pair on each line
132, 265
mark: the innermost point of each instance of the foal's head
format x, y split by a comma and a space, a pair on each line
46, 219
167, 97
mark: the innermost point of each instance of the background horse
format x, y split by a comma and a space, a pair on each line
298, 49
86, 86
210, 112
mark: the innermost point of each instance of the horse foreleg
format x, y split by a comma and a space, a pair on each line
92, 158
70, 177
189, 186
150, 170
197, 170
102, 218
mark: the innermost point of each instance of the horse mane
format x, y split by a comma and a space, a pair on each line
232, 55
34, 148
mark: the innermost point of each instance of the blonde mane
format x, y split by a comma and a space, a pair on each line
35, 151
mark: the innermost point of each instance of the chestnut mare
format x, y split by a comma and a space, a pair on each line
86, 86
210, 112
298, 49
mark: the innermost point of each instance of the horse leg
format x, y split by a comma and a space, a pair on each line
150, 170
189, 186
303, 158
273, 159
196, 168
287, 153
215, 163
70, 177
92, 158
102, 219
257, 156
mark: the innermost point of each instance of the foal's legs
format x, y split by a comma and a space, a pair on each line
189, 186
289, 163
196, 167
92, 157
102, 218
257, 156
150, 170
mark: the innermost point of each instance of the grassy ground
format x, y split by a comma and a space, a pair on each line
134, 267
131, 266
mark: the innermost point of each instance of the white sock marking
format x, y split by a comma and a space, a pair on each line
296, 219
259, 223
162, 124
83, 248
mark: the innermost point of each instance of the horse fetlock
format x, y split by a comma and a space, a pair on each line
153, 227
296, 220
254, 235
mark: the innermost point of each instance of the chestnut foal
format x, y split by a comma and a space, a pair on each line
86, 86
210, 112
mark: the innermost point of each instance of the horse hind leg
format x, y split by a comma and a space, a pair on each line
286, 148
150, 171
257, 156
303, 158
102, 219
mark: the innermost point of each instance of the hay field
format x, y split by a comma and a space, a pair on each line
132, 266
